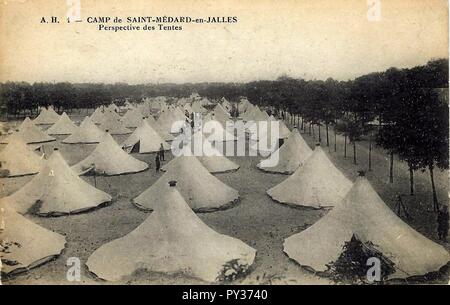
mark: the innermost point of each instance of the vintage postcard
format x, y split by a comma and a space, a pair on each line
202, 142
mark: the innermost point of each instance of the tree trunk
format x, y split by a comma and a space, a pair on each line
320, 138
345, 146
391, 168
328, 139
433, 187
370, 153
335, 140
411, 181
354, 152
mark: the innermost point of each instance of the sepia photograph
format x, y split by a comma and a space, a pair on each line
224, 143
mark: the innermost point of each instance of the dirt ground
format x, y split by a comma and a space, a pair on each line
257, 220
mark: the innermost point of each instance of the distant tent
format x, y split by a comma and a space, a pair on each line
146, 139
173, 240
215, 132
244, 104
114, 126
166, 136
88, 132
30, 134
25, 123
214, 161
200, 189
25, 245
109, 159
170, 123
221, 115
198, 108
291, 155
46, 117
226, 104
132, 118
188, 108
113, 107
318, 183
97, 117
19, 160
109, 115
64, 126
57, 190
363, 215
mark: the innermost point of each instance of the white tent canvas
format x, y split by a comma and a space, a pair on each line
109, 159
25, 123
132, 118
19, 159
146, 138
363, 214
30, 134
211, 158
199, 188
215, 132
46, 117
291, 155
64, 126
114, 126
87, 133
172, 240
57, 190
97, 116
25, 243
318, 183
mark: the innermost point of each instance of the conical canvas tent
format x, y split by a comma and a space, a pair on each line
214, 161
283, 130
145, 139
169, 123
25, 123
226, 104
57, 190
199, 188
173, 240
64, 126
113, 107
114, 126
291, 155
46, 117
132, 118
221, 115
109, 159
188, 108
19, 160
364, 216
318, 183
25, 245
97, 116
30, 134
198, 108
87, 133
215, 132
165, 135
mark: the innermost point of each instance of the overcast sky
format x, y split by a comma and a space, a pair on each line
309, 39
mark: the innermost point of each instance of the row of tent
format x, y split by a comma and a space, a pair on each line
59, 190
358, 213
160, 243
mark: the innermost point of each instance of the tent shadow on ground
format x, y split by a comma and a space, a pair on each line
224, 207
